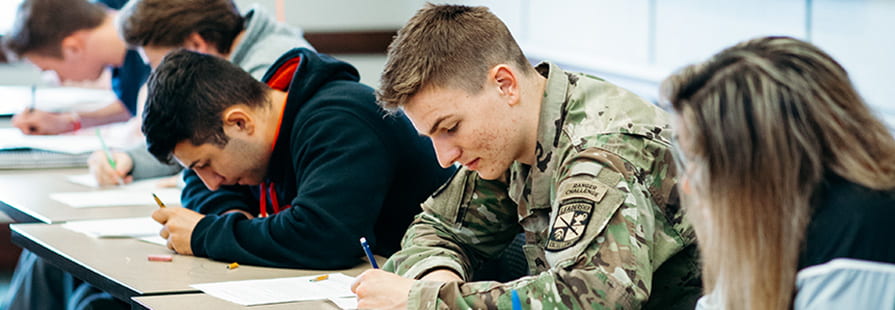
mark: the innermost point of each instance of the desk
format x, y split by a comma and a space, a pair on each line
24, 197
120, 267
201, 301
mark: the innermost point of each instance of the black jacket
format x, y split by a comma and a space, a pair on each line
347, 169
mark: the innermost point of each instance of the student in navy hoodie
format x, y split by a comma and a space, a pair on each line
290, 172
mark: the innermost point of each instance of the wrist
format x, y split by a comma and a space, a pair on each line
441, 274
74, 121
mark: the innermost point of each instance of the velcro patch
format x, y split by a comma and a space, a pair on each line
570, 223
583, 189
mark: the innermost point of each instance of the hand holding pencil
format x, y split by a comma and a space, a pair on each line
110, 167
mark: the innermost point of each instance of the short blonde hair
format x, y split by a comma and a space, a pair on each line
446, 46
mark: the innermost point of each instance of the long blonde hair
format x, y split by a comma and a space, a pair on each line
763, 123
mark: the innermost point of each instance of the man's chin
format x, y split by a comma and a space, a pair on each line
488, 175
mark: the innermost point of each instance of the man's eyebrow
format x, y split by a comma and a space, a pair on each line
435, 125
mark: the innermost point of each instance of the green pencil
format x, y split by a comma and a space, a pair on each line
109, 156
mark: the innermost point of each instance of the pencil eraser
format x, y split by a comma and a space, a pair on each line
160, 258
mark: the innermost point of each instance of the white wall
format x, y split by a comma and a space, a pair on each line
859, 34
341, 15
637, 43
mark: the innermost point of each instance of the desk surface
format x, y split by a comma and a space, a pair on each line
24, 197
199, 301
120, 266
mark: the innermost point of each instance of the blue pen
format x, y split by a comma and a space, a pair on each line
517, 304
363, 244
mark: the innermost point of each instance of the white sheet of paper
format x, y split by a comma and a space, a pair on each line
80, 142
18, 98
271, 291
83, 179
118, 197
13, 138
155, 240
148, 184
134, 227
346, 303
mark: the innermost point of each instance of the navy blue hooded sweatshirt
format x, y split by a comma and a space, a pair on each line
341, 169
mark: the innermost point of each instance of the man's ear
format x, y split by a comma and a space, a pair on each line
239, 119
504, 78
73, 45
196, 43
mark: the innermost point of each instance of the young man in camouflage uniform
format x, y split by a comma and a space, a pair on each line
581, 166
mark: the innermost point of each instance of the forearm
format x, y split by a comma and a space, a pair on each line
467, 222
275, 241
424, 249
557, 288
112, 113
147, 166
195, 196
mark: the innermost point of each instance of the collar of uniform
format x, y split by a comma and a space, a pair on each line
536, 181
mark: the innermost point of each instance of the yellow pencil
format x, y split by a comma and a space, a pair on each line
320, 278
158, 201
233, 265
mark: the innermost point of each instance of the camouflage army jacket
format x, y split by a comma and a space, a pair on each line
599, 211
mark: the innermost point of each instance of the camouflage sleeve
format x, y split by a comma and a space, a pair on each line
600, 246
465, 222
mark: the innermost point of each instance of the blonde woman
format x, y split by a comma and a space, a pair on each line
788, 179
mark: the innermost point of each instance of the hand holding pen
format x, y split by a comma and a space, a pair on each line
366, 247
31, 127
109, 159
33, 99
377, 288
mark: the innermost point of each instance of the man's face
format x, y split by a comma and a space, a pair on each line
76, 68
474, 130
241, 161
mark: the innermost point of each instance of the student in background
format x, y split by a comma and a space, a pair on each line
290, 172
78, 40
214, 27
785, 168
582, 166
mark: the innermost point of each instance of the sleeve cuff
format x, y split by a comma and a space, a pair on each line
424, 295
146, 166
422, 267
197, 238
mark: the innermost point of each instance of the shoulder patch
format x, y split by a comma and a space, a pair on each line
570, 223
587, 189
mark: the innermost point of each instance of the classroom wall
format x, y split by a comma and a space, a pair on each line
637, 43
341, 15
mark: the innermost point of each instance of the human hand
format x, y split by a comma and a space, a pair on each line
178, 227
169, 182
378, 289
37, 122
99, 167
